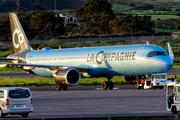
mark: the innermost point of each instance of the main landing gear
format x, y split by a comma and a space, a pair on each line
61, 87
108, 84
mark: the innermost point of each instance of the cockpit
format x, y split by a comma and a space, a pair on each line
157, 53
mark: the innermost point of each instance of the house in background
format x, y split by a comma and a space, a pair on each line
68, 19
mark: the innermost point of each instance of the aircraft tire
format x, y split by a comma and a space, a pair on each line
104, 85
64, 87
111, 85
58, 87
174, 110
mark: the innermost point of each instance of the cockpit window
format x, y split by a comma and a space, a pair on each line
156, 53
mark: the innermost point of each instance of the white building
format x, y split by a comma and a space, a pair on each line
68, 19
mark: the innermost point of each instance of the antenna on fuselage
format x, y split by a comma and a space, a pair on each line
171, 55
147, 43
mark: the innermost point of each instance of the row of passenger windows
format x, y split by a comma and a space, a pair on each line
64, 58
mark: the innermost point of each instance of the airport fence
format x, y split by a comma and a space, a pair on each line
92, 39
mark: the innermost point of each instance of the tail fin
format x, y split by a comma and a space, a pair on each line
19, 39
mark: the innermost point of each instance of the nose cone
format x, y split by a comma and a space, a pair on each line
164, 64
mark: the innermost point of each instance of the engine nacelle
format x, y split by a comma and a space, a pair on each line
69, 76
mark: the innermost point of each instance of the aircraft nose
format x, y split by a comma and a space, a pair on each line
165, 64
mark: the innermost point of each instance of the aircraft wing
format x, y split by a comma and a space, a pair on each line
51, 67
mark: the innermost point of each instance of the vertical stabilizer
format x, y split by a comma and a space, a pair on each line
19, 39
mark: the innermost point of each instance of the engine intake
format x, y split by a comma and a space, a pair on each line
69, 76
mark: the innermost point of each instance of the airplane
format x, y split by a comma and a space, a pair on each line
68, 66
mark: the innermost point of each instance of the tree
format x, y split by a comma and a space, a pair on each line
44, 22
95, 16
130, 24
7, 5
5, 31
24, 19
34, 23
54, 43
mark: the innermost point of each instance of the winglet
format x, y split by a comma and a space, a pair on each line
171, 55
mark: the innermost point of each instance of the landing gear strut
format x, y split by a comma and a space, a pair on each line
61, 87
108, 84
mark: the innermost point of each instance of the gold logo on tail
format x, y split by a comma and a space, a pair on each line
20, 39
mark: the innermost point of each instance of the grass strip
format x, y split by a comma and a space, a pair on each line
45, 82
49, 82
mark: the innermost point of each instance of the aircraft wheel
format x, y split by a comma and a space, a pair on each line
111, 85
104, 85
174, 110
64, 87
58, 87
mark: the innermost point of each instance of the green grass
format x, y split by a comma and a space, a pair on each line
4, 53
26, 82
118, 80
44, 82
11, 69
177, 78
49, 82
176, 66
163, 17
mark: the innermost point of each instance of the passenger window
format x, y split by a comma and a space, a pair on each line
19, 93
1, 94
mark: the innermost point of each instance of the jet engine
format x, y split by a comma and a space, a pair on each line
69, 76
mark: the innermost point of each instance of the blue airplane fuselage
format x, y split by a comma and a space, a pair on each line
104, 61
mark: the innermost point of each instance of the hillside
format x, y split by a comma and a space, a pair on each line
71, 5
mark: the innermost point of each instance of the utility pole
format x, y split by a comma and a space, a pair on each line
55, 6
17, 4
